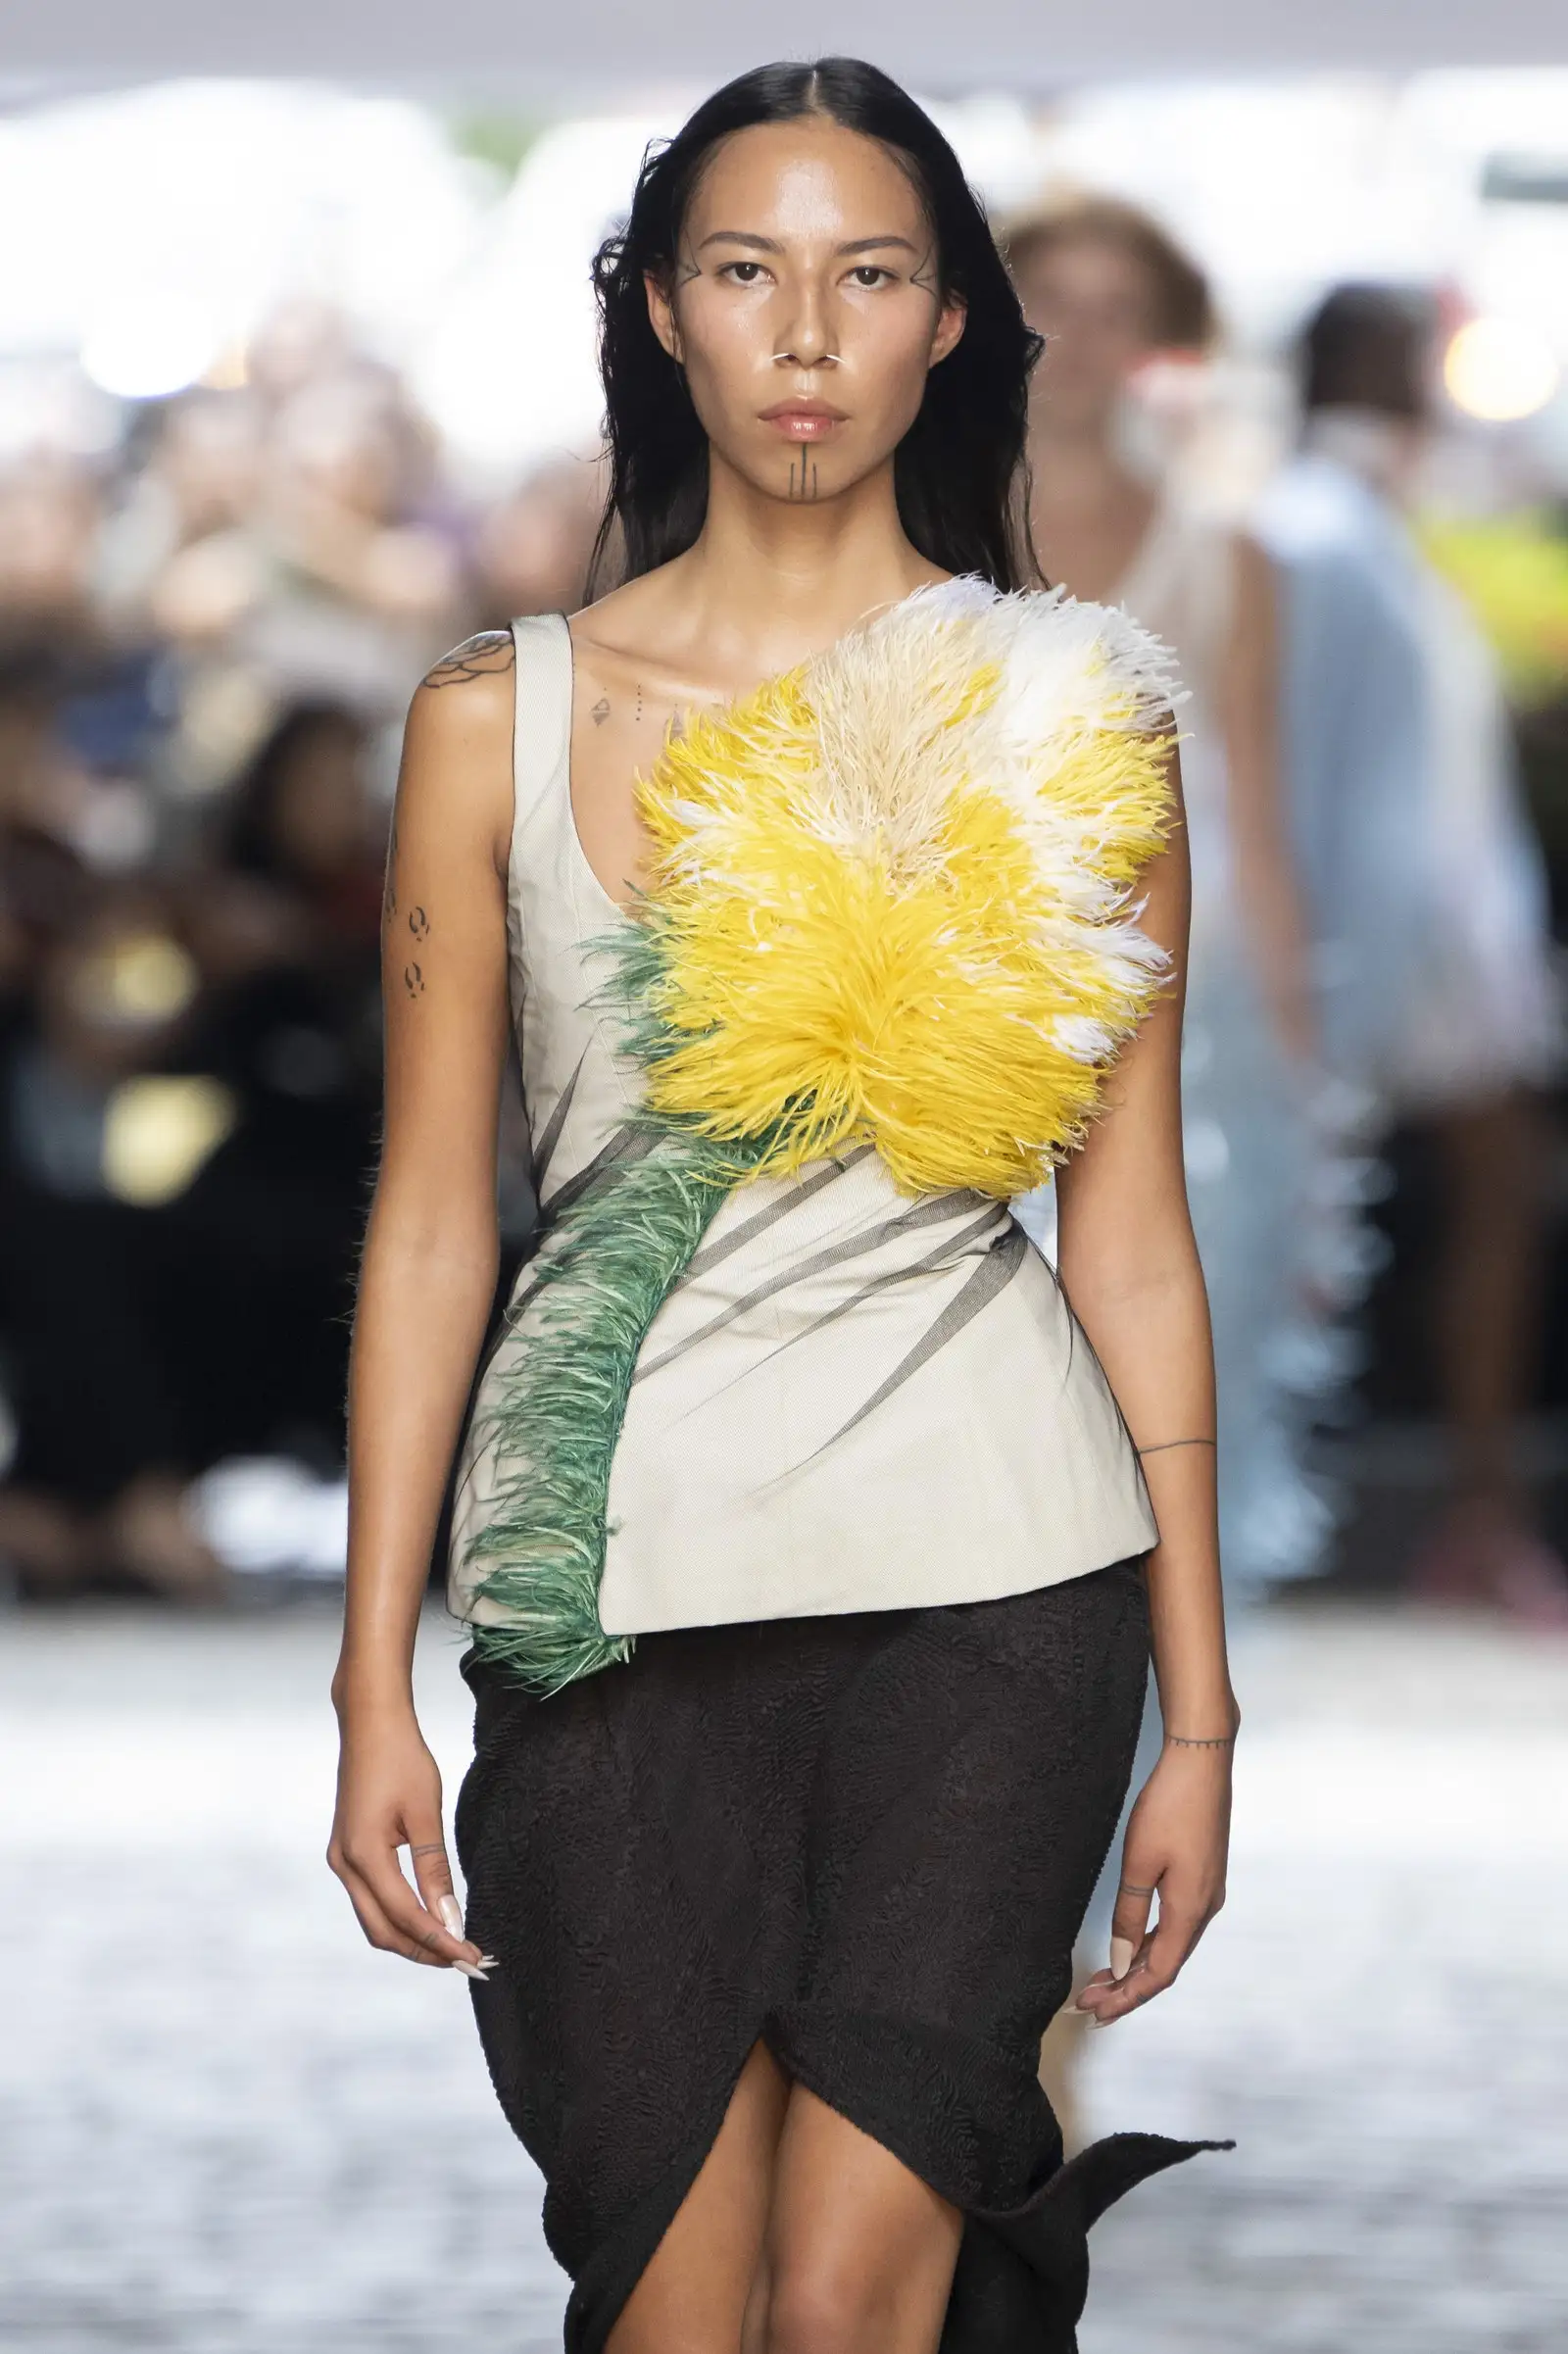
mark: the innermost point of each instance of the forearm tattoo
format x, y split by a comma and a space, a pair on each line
482, 656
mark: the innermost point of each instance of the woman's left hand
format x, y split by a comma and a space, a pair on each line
1177, 1839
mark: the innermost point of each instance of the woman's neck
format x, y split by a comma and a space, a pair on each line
768, 583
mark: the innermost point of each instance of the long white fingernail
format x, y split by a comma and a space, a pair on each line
468, 1971
1122, 1950
451, 1912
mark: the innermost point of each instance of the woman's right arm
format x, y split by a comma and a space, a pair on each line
428, 1277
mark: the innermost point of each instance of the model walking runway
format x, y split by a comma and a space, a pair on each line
810, 1529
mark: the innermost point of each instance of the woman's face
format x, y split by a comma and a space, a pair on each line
806, 308
1094, 303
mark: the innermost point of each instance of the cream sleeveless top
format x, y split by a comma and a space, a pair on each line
851, 1400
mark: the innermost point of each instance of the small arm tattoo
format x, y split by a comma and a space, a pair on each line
1165, 1443
482, 657
418, 923
413, 980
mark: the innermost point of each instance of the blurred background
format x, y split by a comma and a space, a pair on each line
297, 388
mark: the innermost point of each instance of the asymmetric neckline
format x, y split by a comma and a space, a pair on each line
719, 711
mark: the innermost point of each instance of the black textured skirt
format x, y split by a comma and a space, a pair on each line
867, 1842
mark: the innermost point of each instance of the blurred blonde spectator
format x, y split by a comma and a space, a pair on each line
197, 488
290, 538
1112, 293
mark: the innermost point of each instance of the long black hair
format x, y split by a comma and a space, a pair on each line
958, 471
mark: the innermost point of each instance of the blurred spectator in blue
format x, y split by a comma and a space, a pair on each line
1427, 896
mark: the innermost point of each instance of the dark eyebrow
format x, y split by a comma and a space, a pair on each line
866, 245
761, 245
767, 245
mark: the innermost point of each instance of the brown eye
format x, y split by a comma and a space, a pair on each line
870, 276
734, 270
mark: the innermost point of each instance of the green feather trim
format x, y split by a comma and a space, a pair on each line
609, 1268
554, 1417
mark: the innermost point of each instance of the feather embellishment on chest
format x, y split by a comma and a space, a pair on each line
890, 901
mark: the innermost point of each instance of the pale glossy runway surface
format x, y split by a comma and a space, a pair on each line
227, 2127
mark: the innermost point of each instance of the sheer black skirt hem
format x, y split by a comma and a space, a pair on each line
867, 1842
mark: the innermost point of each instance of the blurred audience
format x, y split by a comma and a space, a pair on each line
207, 639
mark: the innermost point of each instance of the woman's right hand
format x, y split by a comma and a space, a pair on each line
388, 1798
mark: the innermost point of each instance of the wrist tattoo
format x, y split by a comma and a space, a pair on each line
1164, 1444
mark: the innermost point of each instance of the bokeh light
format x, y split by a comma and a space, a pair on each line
149, 348
1499, 371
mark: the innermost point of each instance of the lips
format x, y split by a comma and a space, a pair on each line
804, 421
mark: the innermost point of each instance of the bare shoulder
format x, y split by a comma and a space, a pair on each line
471, 683
457, 747
467, 699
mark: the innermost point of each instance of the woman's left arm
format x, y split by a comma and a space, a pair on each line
1129, 1266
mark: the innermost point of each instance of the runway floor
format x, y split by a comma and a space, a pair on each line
228, 2127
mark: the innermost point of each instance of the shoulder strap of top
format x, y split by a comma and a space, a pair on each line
541, 736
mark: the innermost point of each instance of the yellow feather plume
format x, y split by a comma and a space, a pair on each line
890, 892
